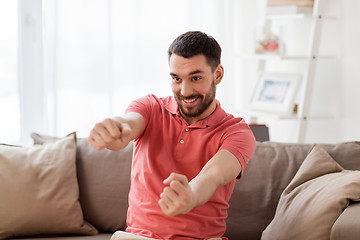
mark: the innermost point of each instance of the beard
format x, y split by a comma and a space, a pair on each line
197, 110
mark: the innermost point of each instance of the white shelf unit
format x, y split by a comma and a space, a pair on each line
311, 57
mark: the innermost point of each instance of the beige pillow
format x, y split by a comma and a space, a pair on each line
347, 225
270, 169
39, 191
104, 181
314, 199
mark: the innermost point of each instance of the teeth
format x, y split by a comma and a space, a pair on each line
190, 100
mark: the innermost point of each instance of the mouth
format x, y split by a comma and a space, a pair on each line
190, 100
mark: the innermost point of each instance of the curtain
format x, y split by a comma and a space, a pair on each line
9, 98
81, 61
107, 53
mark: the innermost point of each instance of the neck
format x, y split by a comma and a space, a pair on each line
205, 114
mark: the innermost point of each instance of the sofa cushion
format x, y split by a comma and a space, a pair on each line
39, 191
347, 225
314, 199
102, 236
270, 169
104, 181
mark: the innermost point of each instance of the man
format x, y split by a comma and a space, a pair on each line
188, 150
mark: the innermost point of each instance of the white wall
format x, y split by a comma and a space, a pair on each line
350, 74
335, 92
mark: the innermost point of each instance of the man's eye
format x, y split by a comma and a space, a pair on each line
196, 78
176, 79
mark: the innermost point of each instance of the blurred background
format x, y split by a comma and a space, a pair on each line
65, 65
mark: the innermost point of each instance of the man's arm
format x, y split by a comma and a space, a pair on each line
116, 133
179, 196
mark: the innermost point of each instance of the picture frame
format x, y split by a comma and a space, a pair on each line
275, 92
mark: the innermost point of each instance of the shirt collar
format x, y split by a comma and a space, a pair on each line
214, 119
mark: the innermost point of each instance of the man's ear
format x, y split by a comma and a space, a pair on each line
219, 74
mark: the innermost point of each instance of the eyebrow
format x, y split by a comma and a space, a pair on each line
191, 73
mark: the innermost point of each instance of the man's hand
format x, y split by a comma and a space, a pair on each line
177, 197
180, 196
111, 134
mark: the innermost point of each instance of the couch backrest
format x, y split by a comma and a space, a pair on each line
271, 168
104, 182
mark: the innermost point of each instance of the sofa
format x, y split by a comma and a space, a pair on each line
278, 197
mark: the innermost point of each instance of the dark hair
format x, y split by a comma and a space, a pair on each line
193, 43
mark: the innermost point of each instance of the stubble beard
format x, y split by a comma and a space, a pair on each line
205, 103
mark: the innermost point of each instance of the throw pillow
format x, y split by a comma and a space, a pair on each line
39, 193
314, 199
347, 225
104, 181
270, 169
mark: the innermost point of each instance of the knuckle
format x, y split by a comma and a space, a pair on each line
107, 120
174, 183
184, 178
186, 197
98, 125
108, 141
179, 205
115, 134
162, 195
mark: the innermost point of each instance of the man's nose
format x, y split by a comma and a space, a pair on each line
186, 89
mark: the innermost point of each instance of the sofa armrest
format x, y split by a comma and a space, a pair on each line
347, 226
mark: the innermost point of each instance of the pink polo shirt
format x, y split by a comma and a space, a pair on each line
169, 144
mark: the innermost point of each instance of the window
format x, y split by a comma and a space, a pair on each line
66, 65
9, 97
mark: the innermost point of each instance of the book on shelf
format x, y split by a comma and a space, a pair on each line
279, 10
299, 3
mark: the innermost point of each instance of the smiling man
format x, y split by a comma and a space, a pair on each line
194, 90
188, 152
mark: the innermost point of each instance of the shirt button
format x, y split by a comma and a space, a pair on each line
181, 141
186, 129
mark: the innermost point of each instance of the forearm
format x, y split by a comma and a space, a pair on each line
203, 189
222, 169
180, 196
135, 122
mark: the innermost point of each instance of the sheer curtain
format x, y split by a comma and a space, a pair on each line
9, 98
84, 60
107, 53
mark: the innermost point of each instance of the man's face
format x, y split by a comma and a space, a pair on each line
194, 86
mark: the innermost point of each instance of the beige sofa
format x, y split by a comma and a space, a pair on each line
103, 184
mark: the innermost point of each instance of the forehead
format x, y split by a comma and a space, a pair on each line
180, 65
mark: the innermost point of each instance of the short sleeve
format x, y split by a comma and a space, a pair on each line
142, 106
240, 141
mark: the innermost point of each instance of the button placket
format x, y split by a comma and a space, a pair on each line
183, 143
184, 136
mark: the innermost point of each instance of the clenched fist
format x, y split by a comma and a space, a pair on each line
111, 134
177, 197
